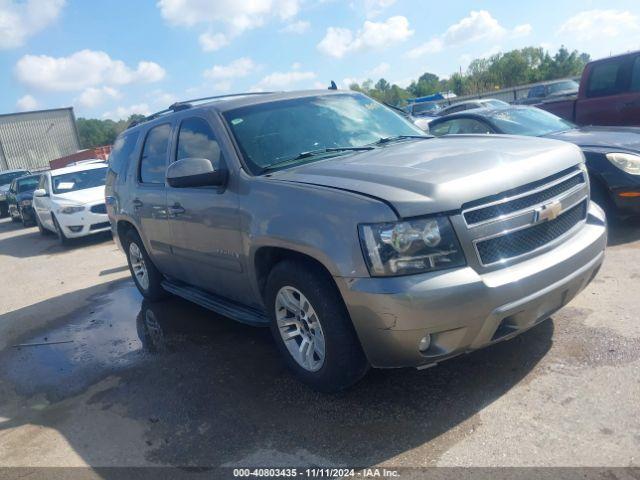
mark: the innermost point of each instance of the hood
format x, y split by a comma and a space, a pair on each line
87, 195
440, 174
614, 138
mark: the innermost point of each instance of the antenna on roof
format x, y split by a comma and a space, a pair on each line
333, 86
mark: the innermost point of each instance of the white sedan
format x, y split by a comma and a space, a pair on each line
70, 201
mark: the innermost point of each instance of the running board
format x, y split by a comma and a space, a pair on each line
224, 307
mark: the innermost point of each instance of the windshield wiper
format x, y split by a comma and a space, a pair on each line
397, 138
314, 153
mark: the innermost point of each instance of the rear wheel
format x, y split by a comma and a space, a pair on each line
312, 328
145, 275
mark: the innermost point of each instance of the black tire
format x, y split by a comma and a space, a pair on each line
344, 363
154, 290
62, 238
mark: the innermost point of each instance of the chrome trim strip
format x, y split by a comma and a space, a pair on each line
523, 227
525, 194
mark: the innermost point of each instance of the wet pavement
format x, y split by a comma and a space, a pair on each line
170, 383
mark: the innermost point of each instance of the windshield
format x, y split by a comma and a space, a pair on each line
28, 183
423, 108
5, 178
70, 182
529, 121
563, 86
273, 132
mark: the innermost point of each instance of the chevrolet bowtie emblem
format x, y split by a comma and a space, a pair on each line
550, 211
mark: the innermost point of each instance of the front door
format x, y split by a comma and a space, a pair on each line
205, 226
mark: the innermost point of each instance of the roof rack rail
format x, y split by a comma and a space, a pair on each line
186, 104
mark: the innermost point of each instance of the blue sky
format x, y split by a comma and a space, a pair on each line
112, 58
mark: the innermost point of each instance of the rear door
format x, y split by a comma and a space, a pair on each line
149, 201
606, 94
205, 225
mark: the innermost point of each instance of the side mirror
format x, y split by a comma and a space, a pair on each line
40, 192
195, 172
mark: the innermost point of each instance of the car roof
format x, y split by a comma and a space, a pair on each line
15, 170
226, 103
77, 168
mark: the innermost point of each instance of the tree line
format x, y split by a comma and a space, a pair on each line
502, 70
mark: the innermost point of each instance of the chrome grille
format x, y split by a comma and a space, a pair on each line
520, 242
523, 197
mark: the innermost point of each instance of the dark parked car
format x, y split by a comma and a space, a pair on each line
609, 94
20, 198
549, 91
6, 177
612, 153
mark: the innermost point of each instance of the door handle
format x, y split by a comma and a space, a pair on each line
176, 209
137, 204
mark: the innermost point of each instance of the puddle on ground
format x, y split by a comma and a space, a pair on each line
116, 332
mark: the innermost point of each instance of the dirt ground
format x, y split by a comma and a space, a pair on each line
141, 384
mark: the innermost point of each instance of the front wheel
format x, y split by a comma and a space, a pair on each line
312, 328
145, 275
62, 238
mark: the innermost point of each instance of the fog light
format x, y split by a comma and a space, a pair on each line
75, 228
424, 344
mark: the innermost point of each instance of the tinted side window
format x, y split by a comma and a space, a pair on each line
153, 162
536, 92
439, 129
635, 75
467, 125
196, 140
606, 79
123, 149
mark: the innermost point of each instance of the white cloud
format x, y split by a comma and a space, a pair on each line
521, 30
236, 69
337, 42
596, 24
26, 103
86, 68
374, 8
21, 19
238, 15
92, 97
299, 27
283, 80
477, 26
434, 45
379, 70
210, 42
121, 113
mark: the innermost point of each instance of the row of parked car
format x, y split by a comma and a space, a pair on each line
68, 202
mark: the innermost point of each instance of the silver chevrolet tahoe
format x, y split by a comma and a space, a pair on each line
358, 239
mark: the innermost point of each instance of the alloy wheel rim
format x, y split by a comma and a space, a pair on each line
300, 328
138, 266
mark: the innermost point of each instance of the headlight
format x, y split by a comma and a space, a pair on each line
627, 162
413, 246
69, 209
25, 203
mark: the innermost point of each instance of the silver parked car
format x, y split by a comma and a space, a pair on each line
357, 238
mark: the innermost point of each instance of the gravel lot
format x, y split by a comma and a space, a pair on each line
173, 384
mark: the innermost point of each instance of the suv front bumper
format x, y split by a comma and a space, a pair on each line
463, 310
